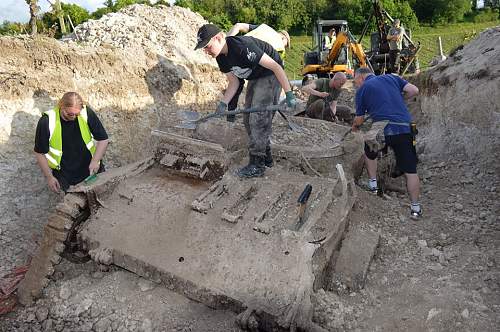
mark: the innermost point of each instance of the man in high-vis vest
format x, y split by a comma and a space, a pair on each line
279, 40
70, 142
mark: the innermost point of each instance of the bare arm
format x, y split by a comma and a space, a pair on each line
400, 34
410, 90
358, 121
100, 149
42, 162
311, 89
237, 28
267, 62
232, 87
333, 108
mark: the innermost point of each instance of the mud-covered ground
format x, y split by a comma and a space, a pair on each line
440, 273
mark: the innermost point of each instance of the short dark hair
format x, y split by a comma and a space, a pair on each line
363, 71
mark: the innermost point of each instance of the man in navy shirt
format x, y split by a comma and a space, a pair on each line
382, 98
244, 57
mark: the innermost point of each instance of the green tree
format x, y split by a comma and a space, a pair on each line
100, 12
492, 3
280, 14
246, 14
77, 14
119, 4
441, 11
11, 28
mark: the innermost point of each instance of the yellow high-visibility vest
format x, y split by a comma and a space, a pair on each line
55, 136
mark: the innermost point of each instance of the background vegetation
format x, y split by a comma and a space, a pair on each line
452, 35
456, 21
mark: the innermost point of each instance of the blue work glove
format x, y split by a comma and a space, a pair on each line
290, 99
221, 107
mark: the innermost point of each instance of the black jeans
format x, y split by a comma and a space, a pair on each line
394, 61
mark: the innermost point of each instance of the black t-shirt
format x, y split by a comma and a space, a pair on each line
76, 157
252, 27
243, 56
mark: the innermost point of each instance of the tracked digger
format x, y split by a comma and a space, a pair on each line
347, 54
379, 46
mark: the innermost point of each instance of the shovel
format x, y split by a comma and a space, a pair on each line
192, 119
292, 125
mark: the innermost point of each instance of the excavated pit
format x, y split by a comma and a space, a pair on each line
182, 218
228, 243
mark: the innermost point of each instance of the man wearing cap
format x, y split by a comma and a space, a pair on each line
279, 40
395, 38
245, 57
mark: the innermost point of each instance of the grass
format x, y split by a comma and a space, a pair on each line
452, 35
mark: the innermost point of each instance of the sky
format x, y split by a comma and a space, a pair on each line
18, 11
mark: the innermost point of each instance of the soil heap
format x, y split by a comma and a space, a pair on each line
460, 100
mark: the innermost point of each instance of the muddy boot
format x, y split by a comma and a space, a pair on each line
268, 160
255, 168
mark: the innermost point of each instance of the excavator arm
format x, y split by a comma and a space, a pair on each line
357, 51
344, 39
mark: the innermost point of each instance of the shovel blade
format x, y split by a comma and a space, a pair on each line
188, 115
294, 127
186, 125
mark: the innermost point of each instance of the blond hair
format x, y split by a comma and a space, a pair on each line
70, 99
287, 37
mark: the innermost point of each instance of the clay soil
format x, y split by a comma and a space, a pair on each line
440, 273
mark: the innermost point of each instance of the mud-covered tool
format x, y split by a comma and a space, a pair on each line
292, 125
191, 119
301, 204
90, 179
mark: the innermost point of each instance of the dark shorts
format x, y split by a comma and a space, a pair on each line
406, 156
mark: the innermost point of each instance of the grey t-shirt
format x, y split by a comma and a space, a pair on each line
396, 45
323, 85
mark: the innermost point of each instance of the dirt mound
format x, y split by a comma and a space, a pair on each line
170, 31
134, 80
460, 101
133, 87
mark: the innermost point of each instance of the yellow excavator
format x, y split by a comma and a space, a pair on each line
345, 54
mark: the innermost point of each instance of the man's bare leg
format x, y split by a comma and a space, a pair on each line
371, 169
413, 186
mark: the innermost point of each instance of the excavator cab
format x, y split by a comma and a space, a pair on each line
320, 35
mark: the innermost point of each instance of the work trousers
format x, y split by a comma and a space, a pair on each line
394, 61
264, 91
317, 110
